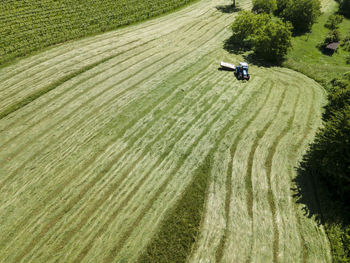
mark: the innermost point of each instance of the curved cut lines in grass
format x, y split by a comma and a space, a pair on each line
91, 168
125, 130
86, 53
169, 64
113, 188
236, 237
151, 169
179, 230
40, 91
233, 148
114, 251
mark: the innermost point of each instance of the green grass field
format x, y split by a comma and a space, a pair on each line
114, 146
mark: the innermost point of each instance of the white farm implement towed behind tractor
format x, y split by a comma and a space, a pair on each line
241, 71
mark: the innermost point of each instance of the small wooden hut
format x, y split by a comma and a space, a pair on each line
331, 48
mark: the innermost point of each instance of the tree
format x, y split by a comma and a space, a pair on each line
334, 21
243, 27
345, 7
269, 38
281, 5
273, 40
302, 14
346, 42
264, 6
332, 36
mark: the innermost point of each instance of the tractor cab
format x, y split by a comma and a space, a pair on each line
242, 71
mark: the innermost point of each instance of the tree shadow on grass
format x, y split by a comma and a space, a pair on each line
254, 59
328, 210
231, 46
318, 203
228, 9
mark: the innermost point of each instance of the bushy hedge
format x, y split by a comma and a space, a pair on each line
334, 21
346, 42
264, 6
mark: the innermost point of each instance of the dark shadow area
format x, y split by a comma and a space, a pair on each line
307, 192
234, 48
254, 59
327, 209
225, 69
228, 9
231, 46
299, 33
314, 195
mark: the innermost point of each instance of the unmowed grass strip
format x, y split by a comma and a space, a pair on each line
179, 230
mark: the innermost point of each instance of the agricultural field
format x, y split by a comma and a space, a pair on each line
131, 146
27, 26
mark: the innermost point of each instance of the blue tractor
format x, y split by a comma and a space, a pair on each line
242, 71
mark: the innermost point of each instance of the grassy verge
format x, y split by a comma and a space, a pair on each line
306, 58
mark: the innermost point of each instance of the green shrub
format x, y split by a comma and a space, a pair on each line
334, 21
332, 36
345, 43
264, 6
330, 151
281, 5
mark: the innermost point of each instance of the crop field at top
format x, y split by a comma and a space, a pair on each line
27, 26
131, 146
